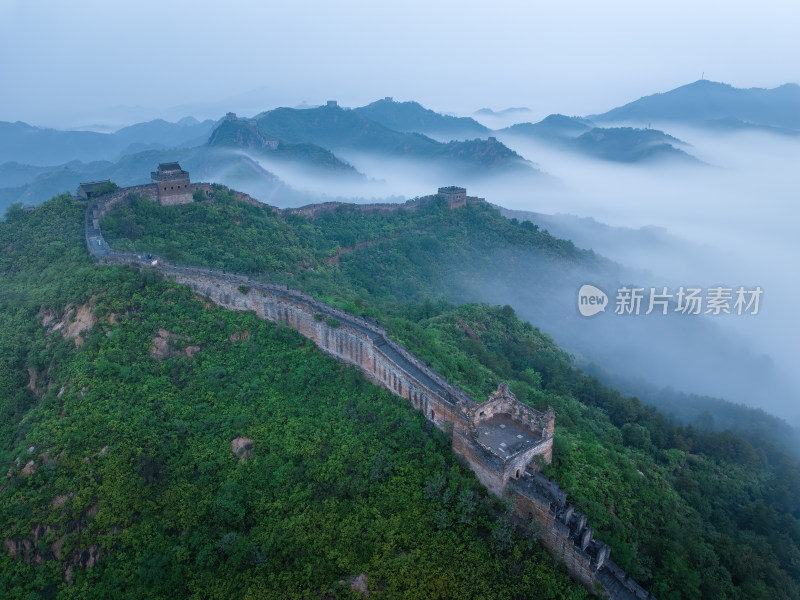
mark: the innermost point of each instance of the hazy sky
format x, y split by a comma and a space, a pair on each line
77, 61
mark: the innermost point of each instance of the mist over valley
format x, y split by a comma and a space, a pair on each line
720, 214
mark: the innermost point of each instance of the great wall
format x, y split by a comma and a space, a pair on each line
498, 438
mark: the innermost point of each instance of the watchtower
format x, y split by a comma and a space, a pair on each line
172, 183
455, 196
87, 190
513, 433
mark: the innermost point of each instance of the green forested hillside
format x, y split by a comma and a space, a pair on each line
208, 454
680, 506
186, 451
412, 254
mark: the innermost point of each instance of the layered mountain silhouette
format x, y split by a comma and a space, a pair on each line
37, 162
619, 144
514, 110
245, 135
413, 117
717, 104
553, 128
203, 162
23, 143
339, 129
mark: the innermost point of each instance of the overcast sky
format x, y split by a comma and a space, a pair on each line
80, 60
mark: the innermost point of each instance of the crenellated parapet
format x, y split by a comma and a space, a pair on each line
503, 401
508, 433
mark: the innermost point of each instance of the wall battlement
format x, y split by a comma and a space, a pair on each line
498, 438
312, 211
455, 196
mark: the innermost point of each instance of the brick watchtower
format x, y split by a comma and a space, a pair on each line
455, 196
172, 183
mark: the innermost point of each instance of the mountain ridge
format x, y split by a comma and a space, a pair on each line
411, 116
42, 146
703, 101
338, 129
618, 144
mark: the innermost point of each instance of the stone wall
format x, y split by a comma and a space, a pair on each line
312, 211
567, 535
182, 194
366, 346
105, 204
484, 464
503, 401
516, 465
349, 339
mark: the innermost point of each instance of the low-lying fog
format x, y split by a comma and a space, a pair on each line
732, 222
738, 218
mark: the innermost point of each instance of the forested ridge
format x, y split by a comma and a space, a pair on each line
334, 477
133, 458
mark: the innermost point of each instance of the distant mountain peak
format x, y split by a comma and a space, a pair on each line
503, 112
559, 119
412, 117
704, 101
552, 127
618, 144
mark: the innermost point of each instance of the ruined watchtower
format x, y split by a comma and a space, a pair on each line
92, 188
455, 196
508, 434
172, 183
